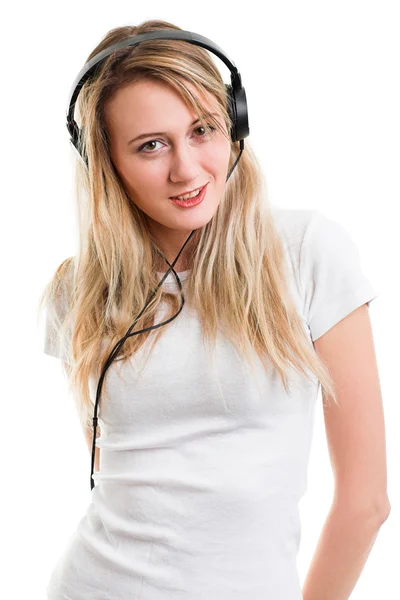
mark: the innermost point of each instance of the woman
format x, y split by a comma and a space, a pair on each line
204, 455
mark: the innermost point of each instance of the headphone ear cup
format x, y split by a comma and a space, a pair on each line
241, 114
237, 110
77, 138
231, 110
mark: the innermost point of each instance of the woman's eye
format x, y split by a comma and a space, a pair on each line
147, 144
202, 127
141, 149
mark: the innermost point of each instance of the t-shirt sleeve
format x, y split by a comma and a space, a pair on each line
55, 313
331, 276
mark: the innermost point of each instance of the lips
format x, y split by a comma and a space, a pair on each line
189, 192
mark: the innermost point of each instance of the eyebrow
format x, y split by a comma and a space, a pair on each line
145, 135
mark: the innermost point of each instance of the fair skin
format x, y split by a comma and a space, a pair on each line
356, 442
159, 166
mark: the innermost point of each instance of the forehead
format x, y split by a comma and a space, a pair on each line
151, 103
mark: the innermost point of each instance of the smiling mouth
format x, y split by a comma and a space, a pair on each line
185, 194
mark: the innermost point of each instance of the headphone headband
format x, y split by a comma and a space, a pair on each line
237, 103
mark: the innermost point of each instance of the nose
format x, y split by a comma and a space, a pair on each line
184, 163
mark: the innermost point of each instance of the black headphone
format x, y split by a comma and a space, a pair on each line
237, 110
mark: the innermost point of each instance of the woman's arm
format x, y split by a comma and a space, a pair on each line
356, 442
342, 551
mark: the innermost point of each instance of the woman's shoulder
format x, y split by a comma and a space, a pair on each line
292, 223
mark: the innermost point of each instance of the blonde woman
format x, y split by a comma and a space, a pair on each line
205, 422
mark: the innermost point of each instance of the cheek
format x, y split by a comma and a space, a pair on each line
139, 179
218, 153
222, 158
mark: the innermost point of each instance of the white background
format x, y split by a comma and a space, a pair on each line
322, 85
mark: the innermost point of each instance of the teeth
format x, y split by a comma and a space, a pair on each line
191, 195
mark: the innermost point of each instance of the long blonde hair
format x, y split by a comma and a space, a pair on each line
238, 278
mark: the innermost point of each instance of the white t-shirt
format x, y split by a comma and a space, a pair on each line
202, 466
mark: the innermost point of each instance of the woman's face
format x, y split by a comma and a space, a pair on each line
160, 165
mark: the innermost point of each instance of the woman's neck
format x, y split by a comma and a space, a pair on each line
180, 266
